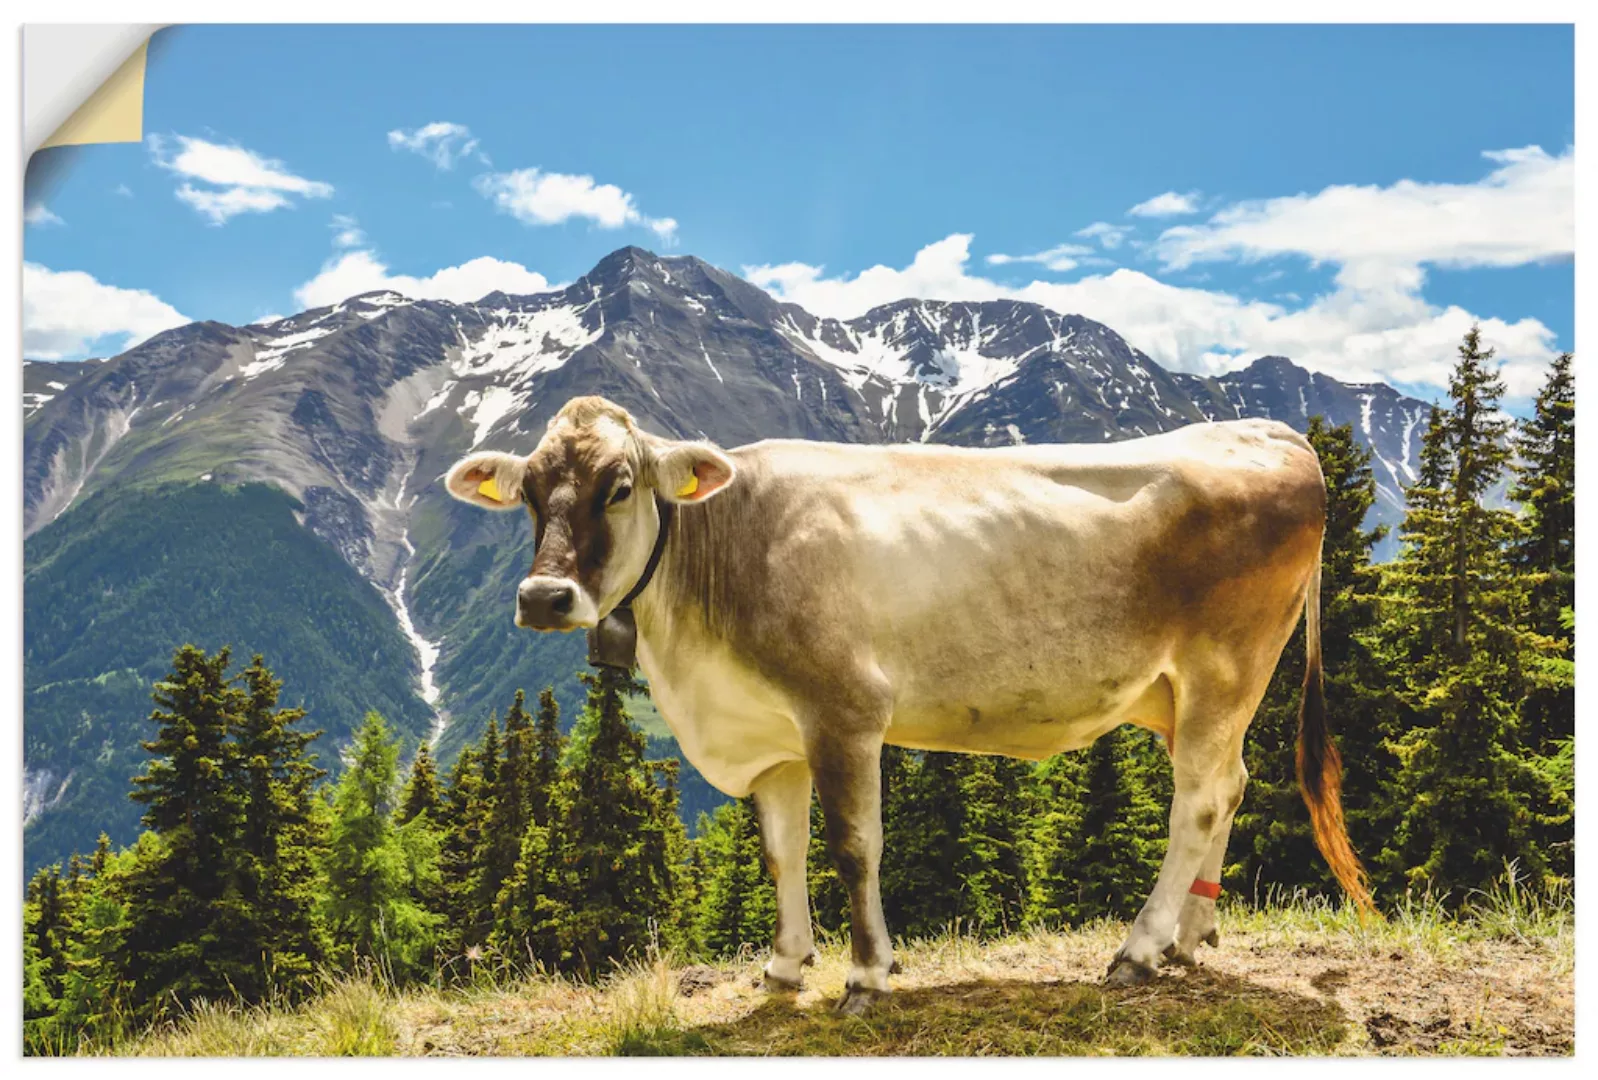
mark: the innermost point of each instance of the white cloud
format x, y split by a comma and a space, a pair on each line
123, 190
665, 228
441, 142
540, 198
40, 214
1170, 204
1109, 236
239, 181
936, 273
355, 272
1523, 211
66, 312
226, 203
347, 232
1351, 333
1061, 257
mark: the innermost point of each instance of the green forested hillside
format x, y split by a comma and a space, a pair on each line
114, 585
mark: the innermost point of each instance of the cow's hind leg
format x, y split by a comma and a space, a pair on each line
1209, 777
782, 797
1196, 924
848, 779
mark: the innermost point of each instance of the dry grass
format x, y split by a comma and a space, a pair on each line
1289, 978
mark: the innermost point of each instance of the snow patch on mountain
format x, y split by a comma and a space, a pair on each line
274, 355
487, 407
526, 343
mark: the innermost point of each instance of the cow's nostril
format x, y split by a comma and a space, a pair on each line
562, 601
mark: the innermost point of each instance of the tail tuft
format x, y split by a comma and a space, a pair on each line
1320, 767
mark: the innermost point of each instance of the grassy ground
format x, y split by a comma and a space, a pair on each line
1287, 979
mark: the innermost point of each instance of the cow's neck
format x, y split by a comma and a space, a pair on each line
694, 589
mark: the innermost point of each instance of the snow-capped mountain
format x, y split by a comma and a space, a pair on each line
356, 410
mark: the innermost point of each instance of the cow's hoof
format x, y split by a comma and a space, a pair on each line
1178, 957
1124, 972
776, 984
1212, 939
895, 968
858, 1000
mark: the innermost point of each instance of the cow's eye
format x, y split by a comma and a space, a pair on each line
621, 493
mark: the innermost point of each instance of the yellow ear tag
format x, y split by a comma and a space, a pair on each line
690, 487
489, 489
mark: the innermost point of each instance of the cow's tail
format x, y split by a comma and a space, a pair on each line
1320, 767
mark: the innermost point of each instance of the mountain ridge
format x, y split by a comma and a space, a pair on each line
355, 409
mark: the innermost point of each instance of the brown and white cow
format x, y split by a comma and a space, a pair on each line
804, 603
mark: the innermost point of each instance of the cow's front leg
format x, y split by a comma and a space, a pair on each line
849, 782
782, 797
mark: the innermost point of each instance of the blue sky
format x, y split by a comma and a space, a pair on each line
1349, 196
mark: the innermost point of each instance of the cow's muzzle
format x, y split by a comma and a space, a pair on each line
552, 603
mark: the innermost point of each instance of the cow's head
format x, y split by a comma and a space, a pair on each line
590, 489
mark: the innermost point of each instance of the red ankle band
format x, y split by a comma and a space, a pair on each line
1210, 889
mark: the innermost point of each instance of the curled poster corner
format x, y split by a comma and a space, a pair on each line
113, 113
84, 84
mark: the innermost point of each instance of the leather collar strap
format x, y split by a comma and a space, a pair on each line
614, 642
1208, 889
665, 510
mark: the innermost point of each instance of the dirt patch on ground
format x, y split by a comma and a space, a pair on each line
1493, 997
1274, 993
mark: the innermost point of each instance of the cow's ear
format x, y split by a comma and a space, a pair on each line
690, 472
490, 479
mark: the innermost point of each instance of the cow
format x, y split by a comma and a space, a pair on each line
797, 605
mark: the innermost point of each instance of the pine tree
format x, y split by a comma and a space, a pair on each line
76, 880
664, 831
992, 866
475, 906
1118, 843
737, 900
548, 746
278, 843
1456, 603
509, 814
180, 907
526, 916
462, 816
611, 883
46, 926
1545, 487
526, 913
421, 787
1271, 845
98, 1002
38, 1005
922, 822
373, 869
488, 756
1055, 807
